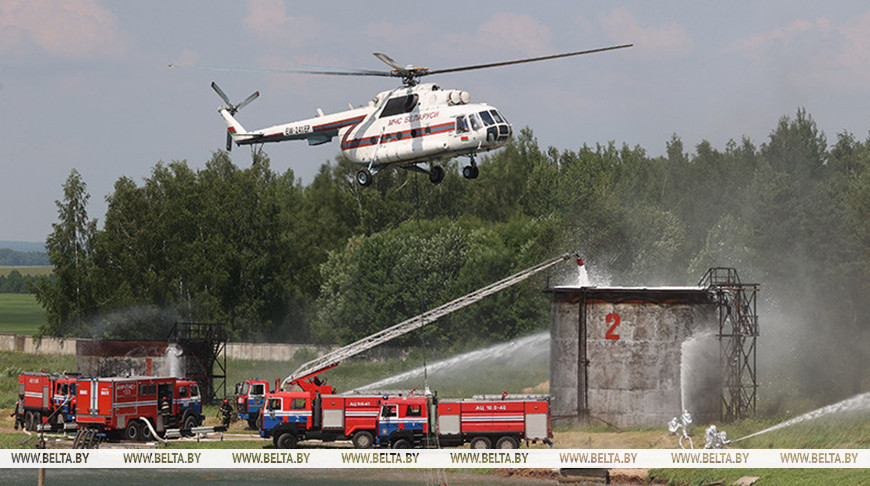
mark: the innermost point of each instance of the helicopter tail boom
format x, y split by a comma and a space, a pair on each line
235, 131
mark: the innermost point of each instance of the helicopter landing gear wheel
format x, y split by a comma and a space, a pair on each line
436, 174
470, 172
364, 177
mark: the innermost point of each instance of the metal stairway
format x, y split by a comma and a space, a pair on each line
738, 333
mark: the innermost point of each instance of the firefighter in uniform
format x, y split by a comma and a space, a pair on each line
226, 412
18, 413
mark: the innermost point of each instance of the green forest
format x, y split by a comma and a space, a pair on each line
273, 259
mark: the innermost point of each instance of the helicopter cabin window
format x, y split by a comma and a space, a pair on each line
399, 105
461, 124
487, 118
475, 122
498, 118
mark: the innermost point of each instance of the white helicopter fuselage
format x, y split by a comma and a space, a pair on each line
401, 127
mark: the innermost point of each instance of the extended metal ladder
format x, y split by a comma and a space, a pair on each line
331, 359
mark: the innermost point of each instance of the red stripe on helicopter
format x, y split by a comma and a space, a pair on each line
339, 124
395, 136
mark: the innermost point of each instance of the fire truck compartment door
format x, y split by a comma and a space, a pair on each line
333, 418
536, 426
448, 424
46, 394
104, 398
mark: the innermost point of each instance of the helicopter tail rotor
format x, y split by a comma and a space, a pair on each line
232, 109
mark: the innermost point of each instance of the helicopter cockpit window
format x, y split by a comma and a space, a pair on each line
487, 118
461, 124
498, 118
475, 122
399, 105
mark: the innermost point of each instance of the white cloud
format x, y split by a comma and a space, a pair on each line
268, 20
855, 54
668, 40
758, 46
73, 29
515, 32
815, 53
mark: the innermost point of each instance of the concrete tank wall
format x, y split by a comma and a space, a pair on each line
617, 353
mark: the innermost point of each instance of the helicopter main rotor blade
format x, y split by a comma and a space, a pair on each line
521, 61
337, 72
390, 62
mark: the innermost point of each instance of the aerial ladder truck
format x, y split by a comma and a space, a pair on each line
306, 376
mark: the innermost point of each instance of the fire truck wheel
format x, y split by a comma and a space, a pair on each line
402, 444
287, 441
190, 422
507, 443
133, 431
28, 421
363, 440
480, 443
252, 424
146, 433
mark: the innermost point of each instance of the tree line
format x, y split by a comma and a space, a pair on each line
15, 283
273, 259
9, 257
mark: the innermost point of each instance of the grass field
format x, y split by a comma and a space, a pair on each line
33, 270
20, 314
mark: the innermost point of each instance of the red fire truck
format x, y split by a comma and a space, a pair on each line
486, 422
47, 399
117, 406
406, 421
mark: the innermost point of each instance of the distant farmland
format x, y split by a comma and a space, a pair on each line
34, 270
20, 314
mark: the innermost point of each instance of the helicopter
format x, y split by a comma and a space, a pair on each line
409, 126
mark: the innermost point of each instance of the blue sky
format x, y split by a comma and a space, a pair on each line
85, 84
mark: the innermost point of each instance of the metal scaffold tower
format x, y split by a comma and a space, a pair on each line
738, 334
206, 345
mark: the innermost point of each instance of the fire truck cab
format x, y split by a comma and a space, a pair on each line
403, 422
47, 399
121, 406
289, 417
250, 397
